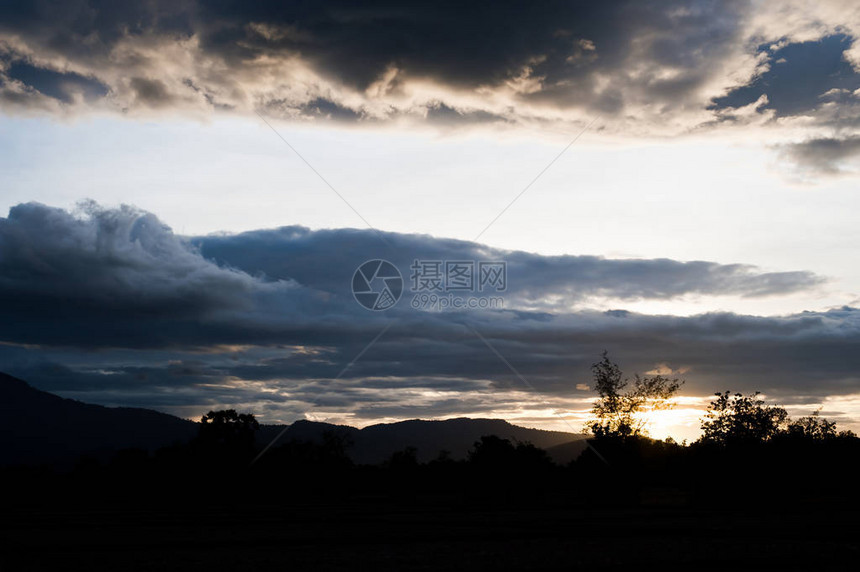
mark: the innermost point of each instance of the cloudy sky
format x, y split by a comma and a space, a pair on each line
189, 186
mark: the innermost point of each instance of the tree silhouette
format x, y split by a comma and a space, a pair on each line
407, 459
227, 430
617, 411
741, 419
492, 451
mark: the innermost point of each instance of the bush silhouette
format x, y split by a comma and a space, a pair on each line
741, 420
227, 433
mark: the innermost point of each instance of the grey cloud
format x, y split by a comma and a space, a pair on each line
438, 112
328, 109
325, 259
477, 406
419, 369
826, 155
151, 92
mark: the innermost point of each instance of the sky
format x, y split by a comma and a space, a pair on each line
187, 189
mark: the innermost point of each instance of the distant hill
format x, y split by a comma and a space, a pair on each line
456, 436
567, 452
38, 427
375, 443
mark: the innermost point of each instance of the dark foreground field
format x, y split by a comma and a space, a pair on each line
221, 501
432, 534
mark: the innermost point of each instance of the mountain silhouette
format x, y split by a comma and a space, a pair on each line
376, 443
40, 427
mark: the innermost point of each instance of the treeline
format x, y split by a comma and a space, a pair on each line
745, 456
749, 452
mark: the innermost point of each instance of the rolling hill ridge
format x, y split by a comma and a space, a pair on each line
39, 427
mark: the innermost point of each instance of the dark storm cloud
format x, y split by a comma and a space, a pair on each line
118, 274
643, 67
557, 53
121, 278
266, 317
103, 23
119, 258
473, 44
325, 259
